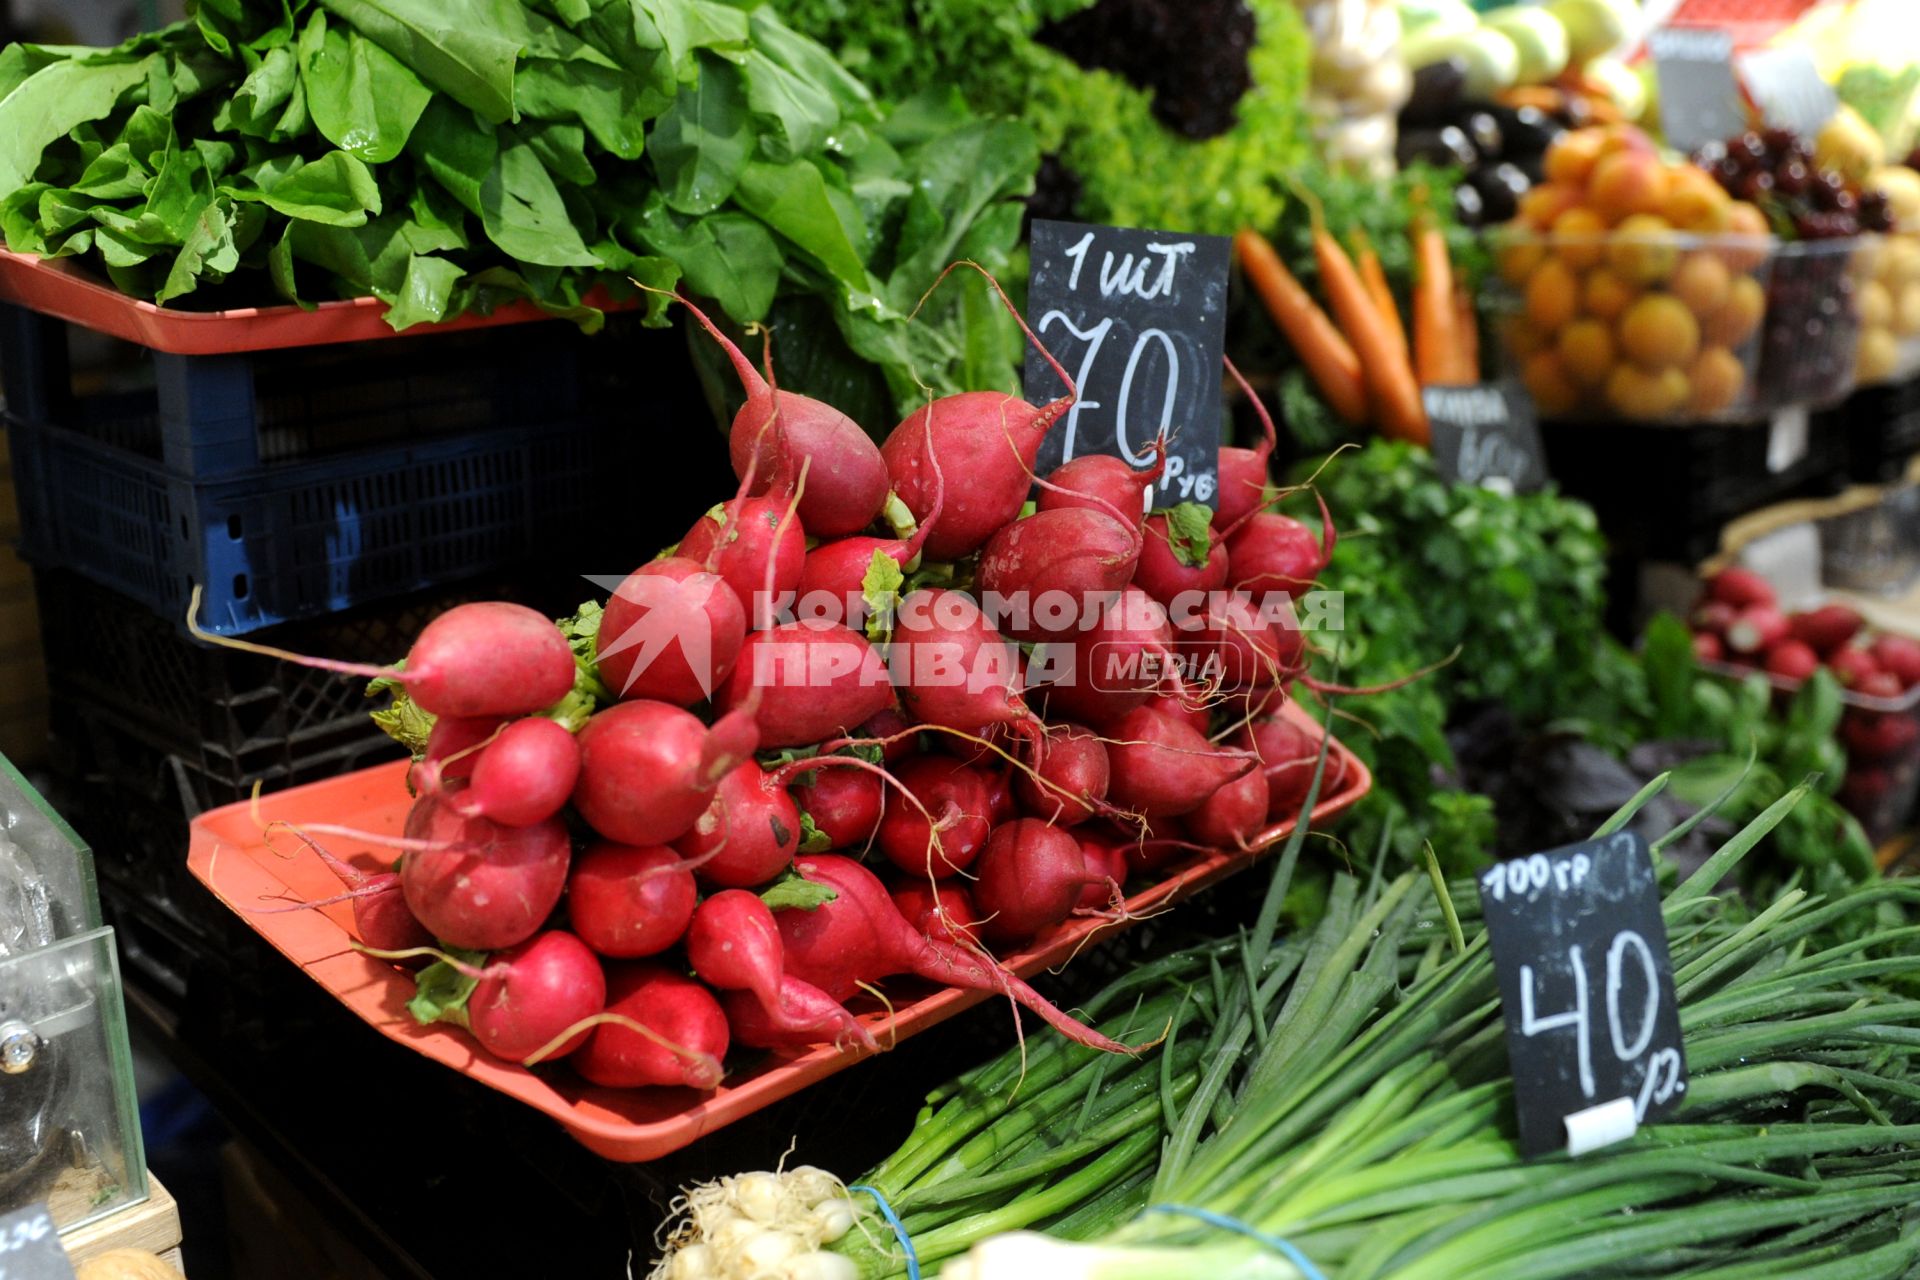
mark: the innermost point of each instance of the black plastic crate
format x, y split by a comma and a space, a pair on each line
288, 484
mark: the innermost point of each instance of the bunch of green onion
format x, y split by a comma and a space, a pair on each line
1346, 1094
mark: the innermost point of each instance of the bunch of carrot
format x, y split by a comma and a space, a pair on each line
1360, 358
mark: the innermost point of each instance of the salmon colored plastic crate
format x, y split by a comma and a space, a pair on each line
53, 287
229, 857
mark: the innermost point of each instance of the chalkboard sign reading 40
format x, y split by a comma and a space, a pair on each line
1138, 320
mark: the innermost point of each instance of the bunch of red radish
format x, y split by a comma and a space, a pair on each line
1738, 621
636, 940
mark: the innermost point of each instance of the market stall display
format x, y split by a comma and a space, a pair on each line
920, 751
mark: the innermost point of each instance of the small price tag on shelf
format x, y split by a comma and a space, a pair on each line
1788, 88
30, 1247
1486, 435
1138, 319
1586, 989
1699, 94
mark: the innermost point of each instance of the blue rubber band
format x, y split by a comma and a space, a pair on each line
900, 1232
1285, 1248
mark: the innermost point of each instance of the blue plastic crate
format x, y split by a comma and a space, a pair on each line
293, 484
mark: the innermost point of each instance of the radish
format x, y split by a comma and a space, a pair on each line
776, 430
1194, 714
748, 835
648, 770
733, 944
1233, 814
523, 776
670, 632
453, 748
1757, 630
957, 798
1106, 863
381, 920
1162, 768
477, 884
1081, 555
802, 1015
530, 993
1071, 768
953, 668
1899, 656
1852, 665
1243, 472
1115, 664
1000, 802
1792, 660
844, 804
487, 658
1714, 616
1826, 630
678, 1010
1708, 647
1272, 552
814, 680
1238, 644
860, 936
893, 731
1103, 483
838, 569
757, 545
1741, 588
1288, 754
628, 901
1028, 879
943, 912
1180, 557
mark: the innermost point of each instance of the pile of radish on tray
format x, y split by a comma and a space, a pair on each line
1738, 621
700, 818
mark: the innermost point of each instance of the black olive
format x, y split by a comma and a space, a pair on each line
1437, 89
1445, 146
1500, 190
1484, 130
1528, 131
1468, 206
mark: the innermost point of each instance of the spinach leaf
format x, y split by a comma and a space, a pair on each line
727, 256
701, 143
458, 150
448, 43
50, 103
792, 199
336, 189
523, 214
362, 98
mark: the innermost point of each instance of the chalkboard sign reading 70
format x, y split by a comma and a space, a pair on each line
1138, 320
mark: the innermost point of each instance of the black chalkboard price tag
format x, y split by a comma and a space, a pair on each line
30, 1247
1486, 435
1586, 988
1138, 319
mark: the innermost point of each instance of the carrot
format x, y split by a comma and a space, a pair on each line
1375, 278
1466, 334
1436, 345
1329, 359
1391, 390
1546, 97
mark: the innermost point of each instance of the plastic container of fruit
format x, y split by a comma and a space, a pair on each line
1811, 340
1887, 350
1881, 736
1612, 326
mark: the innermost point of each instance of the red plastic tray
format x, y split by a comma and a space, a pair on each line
229, 857
55, 287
